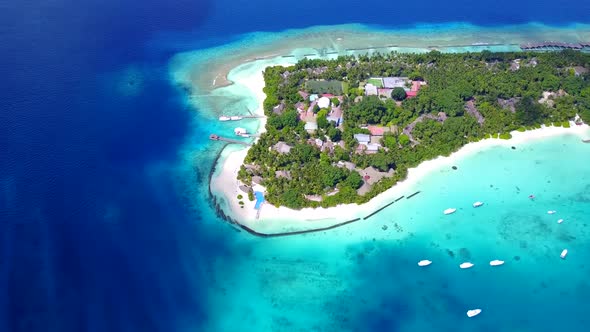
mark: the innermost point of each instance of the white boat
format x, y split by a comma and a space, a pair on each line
560, 221
224, 118
466, 265
477, 204
449, 211
240, 131
496, 262
424, 262
235, 117
563, 254
551, 212
473, 312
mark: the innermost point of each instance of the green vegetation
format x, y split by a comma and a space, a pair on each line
398, 94
333, 87
240, 196
376, 82
500, 100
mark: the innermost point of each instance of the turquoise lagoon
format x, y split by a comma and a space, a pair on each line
364, 276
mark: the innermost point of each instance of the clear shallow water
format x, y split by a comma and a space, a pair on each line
362, 277
102, 158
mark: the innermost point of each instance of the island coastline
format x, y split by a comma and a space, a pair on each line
281, 219
188, 70
274, 220
214, 65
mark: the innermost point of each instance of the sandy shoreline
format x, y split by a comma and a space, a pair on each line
282, 219
274, 220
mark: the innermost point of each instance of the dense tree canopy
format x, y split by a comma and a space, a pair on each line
480, 94
398, 94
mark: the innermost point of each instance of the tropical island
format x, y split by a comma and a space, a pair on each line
344, 130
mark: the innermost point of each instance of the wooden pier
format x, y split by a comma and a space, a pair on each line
554, 46
215, 137
240, 117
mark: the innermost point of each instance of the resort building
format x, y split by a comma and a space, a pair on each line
370, 90
323, 102
362, 138
328, 147
283, 174
394, 82
311, 127
384, 92
282, 148
300, 107
278, 109
579, 70
377, 130
416, 85
335, 116
372, 148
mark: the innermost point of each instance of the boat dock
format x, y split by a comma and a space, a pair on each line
554, 46
215, 137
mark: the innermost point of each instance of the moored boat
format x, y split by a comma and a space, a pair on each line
240, 131
551, 212
477, 204
424, 262
560, 221
224, 118
449, 211
563, 253
496, 262
235, 117
466, 265
473, 312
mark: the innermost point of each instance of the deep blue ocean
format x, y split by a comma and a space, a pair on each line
96, 232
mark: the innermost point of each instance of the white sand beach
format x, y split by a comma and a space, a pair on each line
281, 219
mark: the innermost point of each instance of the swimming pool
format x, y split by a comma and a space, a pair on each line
259, 199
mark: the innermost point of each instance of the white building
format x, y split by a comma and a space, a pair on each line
324, 102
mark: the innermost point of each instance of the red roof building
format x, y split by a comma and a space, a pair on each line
411, 94
416, 86
376, 130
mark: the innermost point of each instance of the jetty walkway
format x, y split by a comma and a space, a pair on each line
215, 137
554, 46
239, 117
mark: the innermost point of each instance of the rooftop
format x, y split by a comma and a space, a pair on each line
282, 147
311, 126
362, 138
376, 130
370, 90
394, 82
